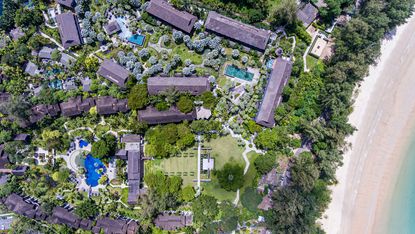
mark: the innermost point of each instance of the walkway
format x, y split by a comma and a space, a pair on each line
199, 150
244, 154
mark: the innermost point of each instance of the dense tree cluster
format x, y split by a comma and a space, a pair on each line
169, 139
231, 177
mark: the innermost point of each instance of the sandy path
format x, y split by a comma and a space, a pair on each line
384, 113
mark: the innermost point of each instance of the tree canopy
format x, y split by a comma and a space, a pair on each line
231, 177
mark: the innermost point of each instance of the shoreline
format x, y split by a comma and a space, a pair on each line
384, 114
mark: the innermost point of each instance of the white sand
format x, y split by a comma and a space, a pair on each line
384, 114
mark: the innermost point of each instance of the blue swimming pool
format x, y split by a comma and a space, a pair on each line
94, 170
56, 84
137, 39
83, 143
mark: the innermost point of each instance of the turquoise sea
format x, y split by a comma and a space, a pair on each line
402, 208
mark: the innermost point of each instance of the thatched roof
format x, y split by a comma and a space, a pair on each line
69, 29
192, 85
280, 74
173, 115
238, 31
167, 13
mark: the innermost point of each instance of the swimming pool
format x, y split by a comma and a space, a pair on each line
83, 143
56, 84
270, 63
94, 170
137, 39
236, 72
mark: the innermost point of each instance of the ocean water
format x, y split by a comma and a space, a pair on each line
402, 208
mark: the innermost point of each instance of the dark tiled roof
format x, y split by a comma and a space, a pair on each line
16, 33
21, 137
110, 226
106, 105
67, 3
31, 68
194, 85
16, 204
233, 29
87, 104
69, 30
135, 170
70, 107
67, 60
165, 12
45, 52
173, 115
130, 138
63, 216
112, 27
121, 154
122, 105
173, 222
114, 72
280, 74
307, 14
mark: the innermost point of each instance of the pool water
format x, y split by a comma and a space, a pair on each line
56, 84
137, 39
236, 72
270, 63
83, 143
92, 167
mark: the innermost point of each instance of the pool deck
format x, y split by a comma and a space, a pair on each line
254, 71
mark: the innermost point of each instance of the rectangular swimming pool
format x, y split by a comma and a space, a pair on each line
236, 72
137, 39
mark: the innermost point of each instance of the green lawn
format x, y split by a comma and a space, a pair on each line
250, 176
124, 195
311, 62
213, 188
185, 53
225, 149
184, 166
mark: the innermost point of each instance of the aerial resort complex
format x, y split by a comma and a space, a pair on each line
157, 116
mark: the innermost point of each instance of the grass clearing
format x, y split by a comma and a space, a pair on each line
225, 149
184, 166
213, 189
251, 174
311, 62
185, 53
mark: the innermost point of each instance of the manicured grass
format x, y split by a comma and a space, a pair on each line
185, 53
184, 166
225, 149
124, 195
213, 188
250, 176
311, 62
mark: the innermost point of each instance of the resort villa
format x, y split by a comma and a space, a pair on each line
279, 76
245, 34
307, 13
166, 13
113, 72
191, 85
152, 116
69, 29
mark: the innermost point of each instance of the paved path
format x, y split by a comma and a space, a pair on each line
199, 150
244, 154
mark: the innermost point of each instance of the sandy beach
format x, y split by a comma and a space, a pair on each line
384, 114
